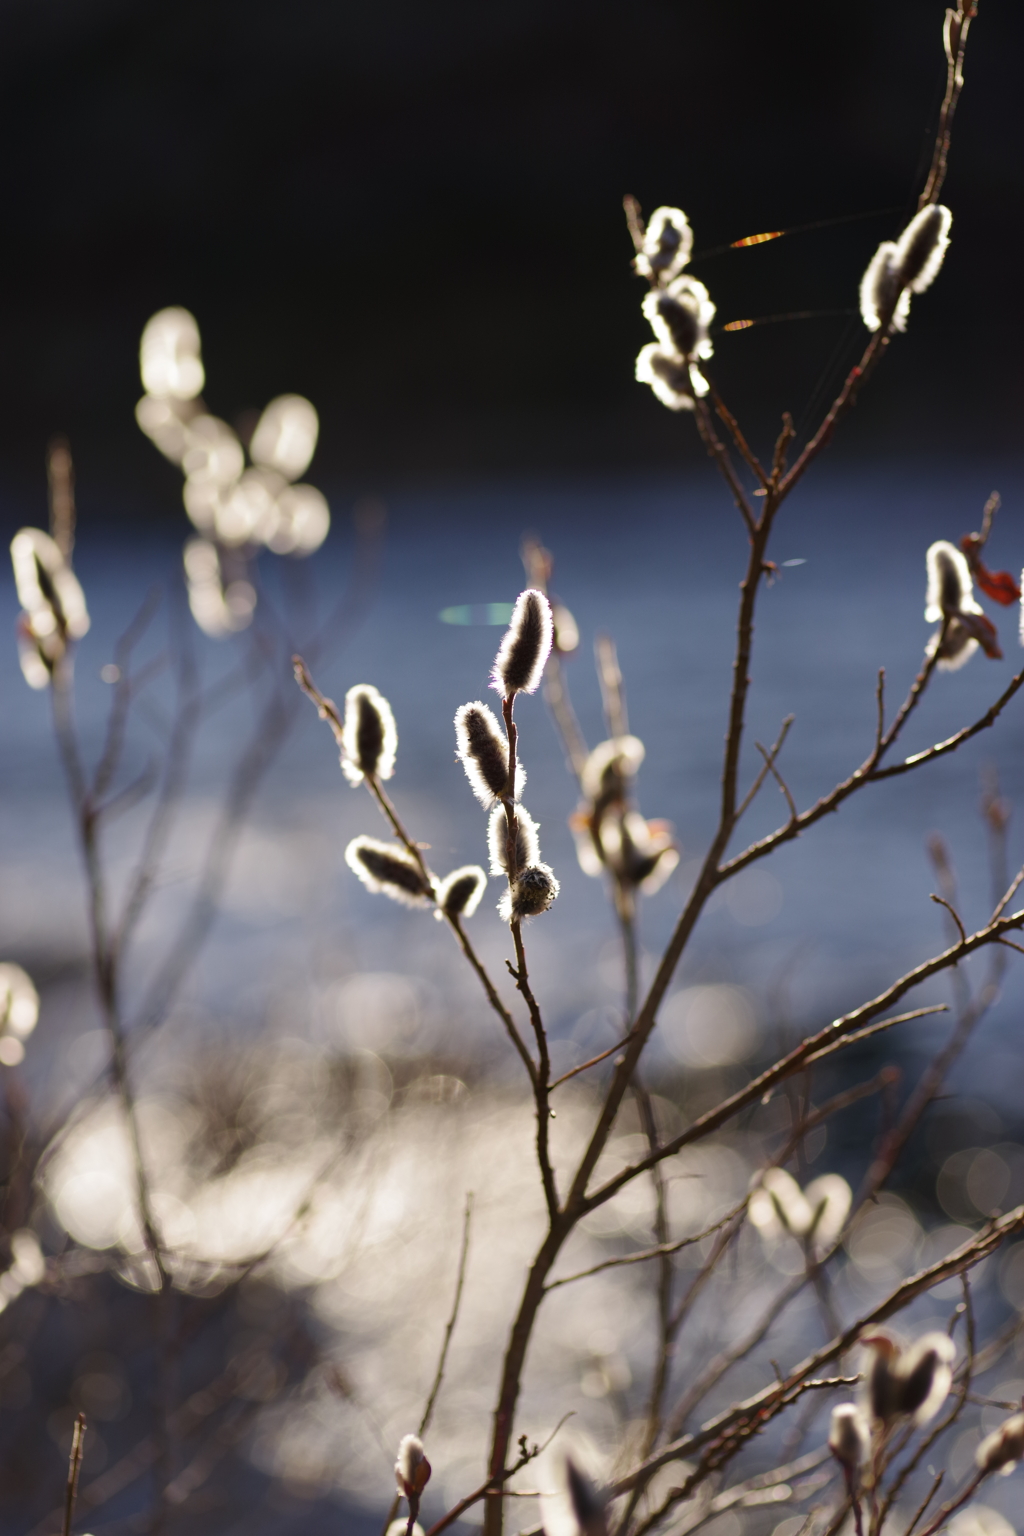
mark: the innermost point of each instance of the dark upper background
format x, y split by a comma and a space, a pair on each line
412, 214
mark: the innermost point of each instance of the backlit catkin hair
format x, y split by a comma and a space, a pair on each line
389, 869
904, 266
482, 750
48, 589
950, 589
1003, 1448
459, 893
674, 382
527, 841
849, 1437
530, 894
412, 1469
680, 315
668, 241
369, 739
922, 246
519, 664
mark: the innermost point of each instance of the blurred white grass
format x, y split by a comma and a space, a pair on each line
236, 1140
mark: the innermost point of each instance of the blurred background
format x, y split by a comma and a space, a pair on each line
414, 219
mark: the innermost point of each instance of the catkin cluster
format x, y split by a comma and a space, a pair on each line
610, 833
678, 309
368, 739
236, 509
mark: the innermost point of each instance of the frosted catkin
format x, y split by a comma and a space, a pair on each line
482, 750
519, 664
390, 870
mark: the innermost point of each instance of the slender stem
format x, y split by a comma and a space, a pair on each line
716, 448
74, 1467
955, 40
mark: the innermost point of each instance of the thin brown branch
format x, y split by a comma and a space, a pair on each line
954, 1504
942, 902
769, 762
609, 676
942, 748
756, 1411
593, 1062
74, 1466
744, 449
449, 1327
493, 1484
877, 1029
634, 221
955, 42
811, 1046
763, 772
716, 448
922, 1507
327, 710
60, 474
649, 1253
428, 1410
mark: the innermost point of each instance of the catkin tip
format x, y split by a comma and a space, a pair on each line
519, 664
459, 893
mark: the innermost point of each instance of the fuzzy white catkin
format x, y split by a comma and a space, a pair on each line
388, 869
523, 653
912, 1381
37, 558
679, 316
668, 241
410, 1459
674, 383
482, 750
849, 1437
1003, 1448
459, 893
369, 739
610, 763
527, 841
904, 266
950, 589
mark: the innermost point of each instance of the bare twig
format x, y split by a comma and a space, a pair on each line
74, 1466
955, 42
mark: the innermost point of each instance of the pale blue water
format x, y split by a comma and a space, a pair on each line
657, 565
